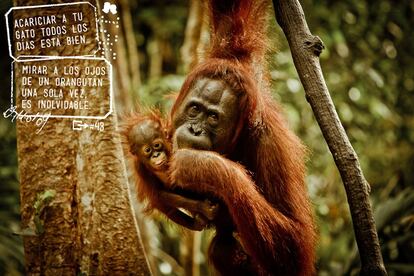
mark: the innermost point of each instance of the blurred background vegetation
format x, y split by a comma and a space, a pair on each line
368, 65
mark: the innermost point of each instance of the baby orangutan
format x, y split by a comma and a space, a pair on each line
150, 147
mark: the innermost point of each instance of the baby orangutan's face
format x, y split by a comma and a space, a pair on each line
147, 141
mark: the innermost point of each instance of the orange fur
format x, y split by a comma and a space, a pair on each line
147, 185
262, 180
152, 184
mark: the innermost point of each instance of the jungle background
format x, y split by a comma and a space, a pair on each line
367, 64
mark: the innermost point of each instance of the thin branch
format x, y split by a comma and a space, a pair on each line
305, 49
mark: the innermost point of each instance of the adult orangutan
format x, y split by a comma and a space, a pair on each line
231, 142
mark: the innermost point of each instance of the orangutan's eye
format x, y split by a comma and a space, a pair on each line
194, 110
146, 150
158, 146
213, 118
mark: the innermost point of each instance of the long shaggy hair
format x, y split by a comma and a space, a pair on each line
275, 218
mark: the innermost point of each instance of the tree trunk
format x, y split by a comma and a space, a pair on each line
203, 43
75, 203
189, 54
155, 58
124, 56
131, 44
190, 247
114, 39
305, 49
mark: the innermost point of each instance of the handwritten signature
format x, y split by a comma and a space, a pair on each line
40, 120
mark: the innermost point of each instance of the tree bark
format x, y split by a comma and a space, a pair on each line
305, 49
131, 44
118, 57
189, 54
74, 195
204, 40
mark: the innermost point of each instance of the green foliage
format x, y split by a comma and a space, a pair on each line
368, 66
42, 201
160, 92
11, 247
